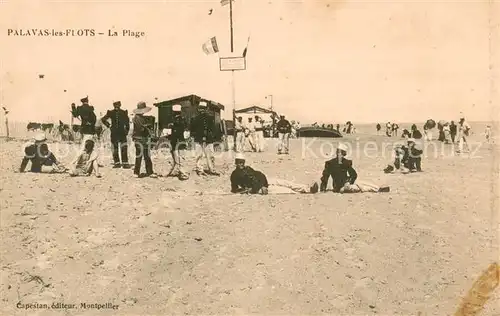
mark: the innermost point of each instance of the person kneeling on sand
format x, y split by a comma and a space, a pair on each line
42, 159
399, 153
408, 158
86, 162
344, 176
245, 180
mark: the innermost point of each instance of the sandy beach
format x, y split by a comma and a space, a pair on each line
162, 246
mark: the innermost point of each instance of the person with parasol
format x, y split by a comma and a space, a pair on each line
428, 126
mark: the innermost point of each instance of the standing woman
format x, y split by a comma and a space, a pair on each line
142, 140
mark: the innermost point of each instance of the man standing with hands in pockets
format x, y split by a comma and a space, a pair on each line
119, 127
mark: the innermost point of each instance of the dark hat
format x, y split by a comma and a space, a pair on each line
117, 103
84, 100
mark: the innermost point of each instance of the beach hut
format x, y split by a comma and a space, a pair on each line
189, 104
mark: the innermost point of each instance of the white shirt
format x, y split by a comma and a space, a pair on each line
251, 126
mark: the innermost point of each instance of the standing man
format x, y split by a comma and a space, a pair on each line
87, 117
202, 129
240, 134
388, 129
453, 131
120, 126
463, 134
284, 129
259, 134
251, 133
178, 143
143, 130
487, 133
395, 128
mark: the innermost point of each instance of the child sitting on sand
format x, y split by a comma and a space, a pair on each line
86, 162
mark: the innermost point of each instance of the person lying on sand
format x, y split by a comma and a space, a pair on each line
344, 176
245, 180
86, 162
42, 159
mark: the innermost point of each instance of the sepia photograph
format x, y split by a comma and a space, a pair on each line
249, 157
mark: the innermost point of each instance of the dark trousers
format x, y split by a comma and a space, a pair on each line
122, 146
414, 163
142, 151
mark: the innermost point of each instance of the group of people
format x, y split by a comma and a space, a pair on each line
391, 129
449, 132
408, 158
202, 129
253, 132
246, 180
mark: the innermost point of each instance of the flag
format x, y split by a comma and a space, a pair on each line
224, 2
246, 48
210, 46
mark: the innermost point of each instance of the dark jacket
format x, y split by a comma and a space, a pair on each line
341, 171
38, 159
178, 126
416, 134
120, 124
248, 178
142, 128
283, 126
203, 128
87, 116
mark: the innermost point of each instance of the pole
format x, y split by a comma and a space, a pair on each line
231, 22
232, 74
7, 125
234, 109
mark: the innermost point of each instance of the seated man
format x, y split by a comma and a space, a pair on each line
42, 160
86, 161
246, 180
412, 156
344, 176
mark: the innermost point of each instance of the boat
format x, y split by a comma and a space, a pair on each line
312, 131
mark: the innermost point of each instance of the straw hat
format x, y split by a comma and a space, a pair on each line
411, 140
40, 137
342, 147
176, 108
142, 108
203, 104
239, 156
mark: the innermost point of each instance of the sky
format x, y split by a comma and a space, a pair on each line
322, 61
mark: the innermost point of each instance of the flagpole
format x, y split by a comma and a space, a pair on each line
231, 23
232, 74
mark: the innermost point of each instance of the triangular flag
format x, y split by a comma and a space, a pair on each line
210, 46
246, 48
224, 2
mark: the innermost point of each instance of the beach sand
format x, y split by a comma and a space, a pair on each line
161, 246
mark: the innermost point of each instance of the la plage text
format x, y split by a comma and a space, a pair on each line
73, 33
